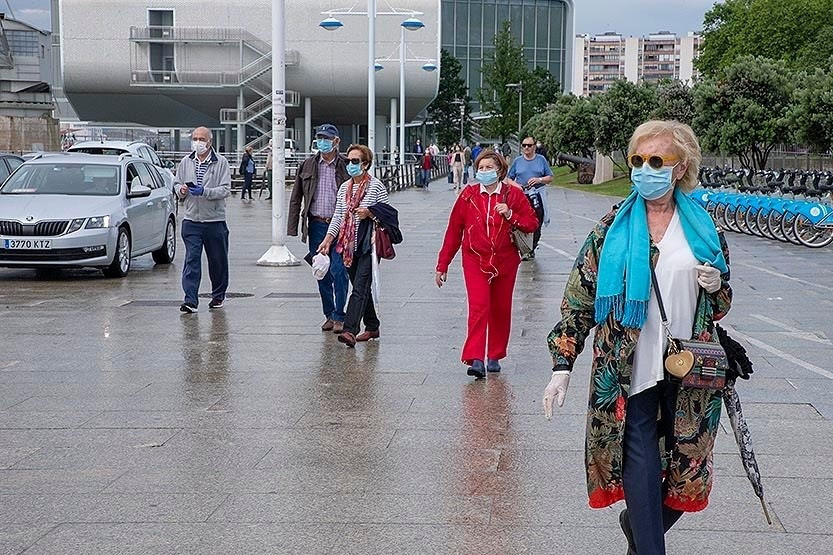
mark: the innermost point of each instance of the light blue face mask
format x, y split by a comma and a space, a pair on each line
324, 145
354, 170
487, 177
652, 184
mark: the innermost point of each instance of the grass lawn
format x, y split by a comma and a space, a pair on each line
619, 187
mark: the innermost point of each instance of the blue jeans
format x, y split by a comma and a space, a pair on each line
426, 177
247, 185
213, 237
333, 288
649, 518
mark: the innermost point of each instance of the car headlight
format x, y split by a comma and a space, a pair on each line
75, 225
98, 222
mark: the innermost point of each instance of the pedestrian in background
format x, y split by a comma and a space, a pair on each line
427, 165
456, 159
355, 197
475, 154
467, 164
542, 150
247, 170
533, 173
481, 222
313, 201
203, 180
506, 150
649, 440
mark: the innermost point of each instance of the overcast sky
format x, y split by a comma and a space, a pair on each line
629, 17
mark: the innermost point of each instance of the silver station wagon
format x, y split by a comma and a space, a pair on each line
71, 210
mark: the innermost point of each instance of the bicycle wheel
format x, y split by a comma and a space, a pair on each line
811, 235
729, 219
773, 224
720, 214
740, 220
762, 223
750, 220
787, 222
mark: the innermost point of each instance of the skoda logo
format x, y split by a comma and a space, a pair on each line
815, 211
30, 218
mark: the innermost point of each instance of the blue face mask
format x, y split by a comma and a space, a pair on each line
324, 145
487, 177
651, 184
354, 170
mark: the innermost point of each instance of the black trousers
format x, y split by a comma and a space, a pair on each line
360, 306
642, 471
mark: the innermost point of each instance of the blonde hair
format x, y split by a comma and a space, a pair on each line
685, 143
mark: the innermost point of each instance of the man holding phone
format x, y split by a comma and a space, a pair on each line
203, 180
533, 173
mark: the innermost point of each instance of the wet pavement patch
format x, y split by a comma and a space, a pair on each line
229, 295
291, 296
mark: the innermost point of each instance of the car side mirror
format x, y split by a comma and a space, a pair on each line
138, 191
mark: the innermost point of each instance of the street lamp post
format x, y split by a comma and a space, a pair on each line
410, 24
520, 88
278, 254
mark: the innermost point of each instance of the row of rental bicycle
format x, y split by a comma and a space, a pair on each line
794, 206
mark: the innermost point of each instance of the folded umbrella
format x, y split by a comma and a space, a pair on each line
744, 441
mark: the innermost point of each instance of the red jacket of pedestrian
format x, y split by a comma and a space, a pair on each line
484, 234
426, 161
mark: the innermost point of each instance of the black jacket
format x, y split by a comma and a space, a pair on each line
388, 218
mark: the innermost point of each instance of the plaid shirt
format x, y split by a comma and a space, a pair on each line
324, 202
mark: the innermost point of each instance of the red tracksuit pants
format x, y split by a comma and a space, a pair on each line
490, 312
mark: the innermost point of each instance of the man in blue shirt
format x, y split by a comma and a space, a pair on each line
532, 172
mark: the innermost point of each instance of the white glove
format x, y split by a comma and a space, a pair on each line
556, 390
708, 277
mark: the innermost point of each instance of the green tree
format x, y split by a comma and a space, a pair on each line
443, 110
745, 110
675, 101
799, 32
541, 88
812, 116
620, 111
504, 66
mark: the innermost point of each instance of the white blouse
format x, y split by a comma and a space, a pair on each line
677, 279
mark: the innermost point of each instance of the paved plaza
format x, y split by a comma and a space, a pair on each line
129, 428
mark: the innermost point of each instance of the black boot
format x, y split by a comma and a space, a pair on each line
625, 523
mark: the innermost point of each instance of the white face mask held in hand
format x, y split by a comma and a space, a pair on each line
320, 266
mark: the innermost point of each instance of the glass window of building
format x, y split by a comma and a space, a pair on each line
23, 43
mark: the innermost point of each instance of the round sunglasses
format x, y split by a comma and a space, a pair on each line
656, 161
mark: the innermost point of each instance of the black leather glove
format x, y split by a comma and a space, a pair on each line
739, 364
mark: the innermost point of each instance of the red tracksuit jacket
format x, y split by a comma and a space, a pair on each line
485, 234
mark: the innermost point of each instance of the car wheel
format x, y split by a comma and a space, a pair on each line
166, 253
121, 259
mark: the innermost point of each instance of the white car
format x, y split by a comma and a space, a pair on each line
137, 148
71, 210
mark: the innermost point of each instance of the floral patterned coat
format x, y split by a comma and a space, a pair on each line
687, 465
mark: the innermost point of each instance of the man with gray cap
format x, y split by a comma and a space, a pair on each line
313, 202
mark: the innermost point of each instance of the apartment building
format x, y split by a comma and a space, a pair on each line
600, 60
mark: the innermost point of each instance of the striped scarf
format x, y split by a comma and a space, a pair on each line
347, 234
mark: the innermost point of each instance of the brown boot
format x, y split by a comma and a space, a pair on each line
338, 327
348, 339
367, 335
327, 325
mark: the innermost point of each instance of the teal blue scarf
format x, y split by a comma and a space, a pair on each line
624, 282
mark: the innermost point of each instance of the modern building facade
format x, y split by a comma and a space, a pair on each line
26, 121
543, 27
600, 60
180, 63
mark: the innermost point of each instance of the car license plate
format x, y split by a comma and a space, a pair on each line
27, 244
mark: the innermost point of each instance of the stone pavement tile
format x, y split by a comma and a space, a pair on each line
292, 455
355, 508
11, 455
453, 455
13, 398
56, 481
124, 539
482, 540
745, 543
537, 461
775, 466
348, 420
802, 506
15, 538
28, 420
557, 506
44, 508
202, 419
780, 411
427, 421
784, 437
468, 437
269, 539
151, 507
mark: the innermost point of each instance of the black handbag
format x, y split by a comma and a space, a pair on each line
692, 363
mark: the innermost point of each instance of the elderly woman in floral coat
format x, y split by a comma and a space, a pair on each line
649, 441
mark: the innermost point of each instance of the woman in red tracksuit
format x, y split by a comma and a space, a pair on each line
481, 220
